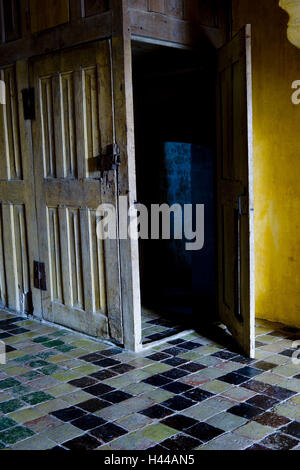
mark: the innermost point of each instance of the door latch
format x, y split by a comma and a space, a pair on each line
39, 271
109, 160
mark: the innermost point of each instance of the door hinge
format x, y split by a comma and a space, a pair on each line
109, 160
28, 104
39, 271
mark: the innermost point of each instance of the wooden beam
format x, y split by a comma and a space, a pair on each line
81, 31
124, 128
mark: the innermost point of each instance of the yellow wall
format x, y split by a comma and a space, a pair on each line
276, 64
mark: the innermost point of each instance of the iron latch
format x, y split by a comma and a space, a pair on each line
39, 271
28, 104
109, 160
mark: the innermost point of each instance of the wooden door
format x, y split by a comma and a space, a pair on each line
73, 126
18, 233
235, 190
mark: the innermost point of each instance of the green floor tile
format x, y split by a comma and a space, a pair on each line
6, 423
49, 370
10, 406
2, 446
37, 364
29, 376
158, 432
226, 421
254, 431
36, 398
8, 383
64, 348
41, 339
53, 343
15, 435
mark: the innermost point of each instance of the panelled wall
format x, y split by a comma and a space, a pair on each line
183, 21
14, 256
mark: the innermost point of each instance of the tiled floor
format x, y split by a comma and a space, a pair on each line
155, 327
60, 391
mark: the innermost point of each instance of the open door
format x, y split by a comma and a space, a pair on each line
77, 272
236, 282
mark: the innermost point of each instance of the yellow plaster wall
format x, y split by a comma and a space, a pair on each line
276, 64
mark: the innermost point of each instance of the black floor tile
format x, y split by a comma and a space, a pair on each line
91, 357
19, 331
279, 392
4, 335
176, 351
108, 432
9, 348
175, 342
93, 405
178, 403
190, 345
288, 352
68, 414
158, 357
122, 369
157, 380
116, 397
88, 422
256, 386
262, 401
233, 378
85, 442
242, 360
175, 361
83, 382
225, 355
198, 395
177, 387
175, 373
99, 389
249, 372
293, 429
111, 352
192, 367
245, 411
204, 432
156, 412
104, 374
179, 422
107, 363
181, 442
272, 420
279, 441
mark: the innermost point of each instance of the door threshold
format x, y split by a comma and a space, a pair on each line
40, 320
153, 344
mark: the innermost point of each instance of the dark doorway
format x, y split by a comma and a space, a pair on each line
175, 131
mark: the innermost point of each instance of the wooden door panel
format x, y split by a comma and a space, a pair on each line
73, 128
235, 190
18, 234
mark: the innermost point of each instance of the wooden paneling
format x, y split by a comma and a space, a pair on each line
15, 254
205, 12
48, 14
10, 150
94, 7
10, 20
73, 126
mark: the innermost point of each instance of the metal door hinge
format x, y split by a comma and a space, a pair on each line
110, 160
28, 103
39, 270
